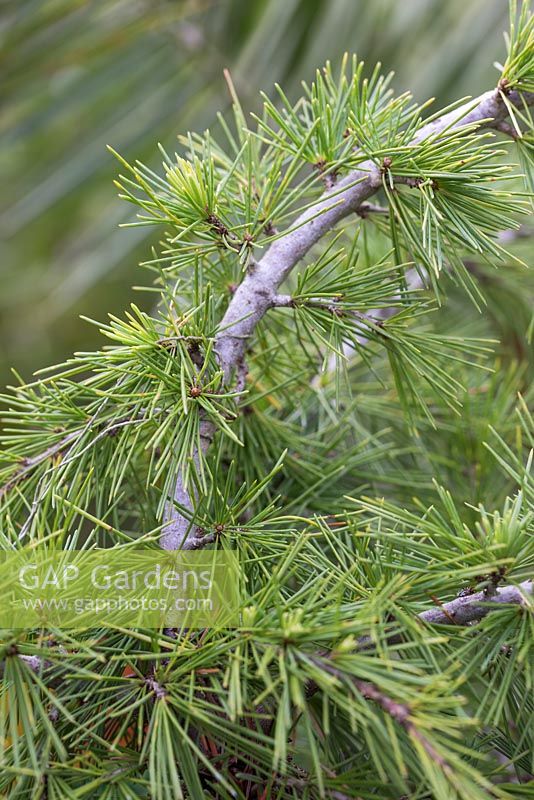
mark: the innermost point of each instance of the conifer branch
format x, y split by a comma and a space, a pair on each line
462, 611
474, 607
354, 667
29, 464
256, 294
466, 609
401, 713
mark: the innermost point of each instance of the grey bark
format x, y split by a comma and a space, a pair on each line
257, 292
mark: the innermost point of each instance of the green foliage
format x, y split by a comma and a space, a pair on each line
78, 76
518, 70
368, 459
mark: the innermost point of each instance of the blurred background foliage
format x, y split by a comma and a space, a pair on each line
78, 75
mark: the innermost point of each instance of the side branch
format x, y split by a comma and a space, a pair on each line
461, 611
401, 713
474, 607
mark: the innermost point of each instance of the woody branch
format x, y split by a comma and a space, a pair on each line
258, 291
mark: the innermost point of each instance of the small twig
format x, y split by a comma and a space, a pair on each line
462, 611
504, 127
29, 464
35, 663
370, 208
332, 307
400, 712
159, 691
473, 607
282, 301
65, 446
